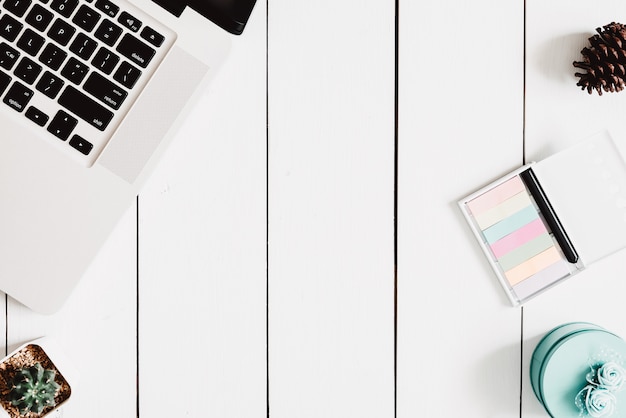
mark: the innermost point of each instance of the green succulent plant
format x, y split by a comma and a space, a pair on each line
33, 389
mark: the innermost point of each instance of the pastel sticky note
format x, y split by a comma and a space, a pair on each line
519, 237
533, 265
526, 251
503, 210
510, 224
542, 279
496, 195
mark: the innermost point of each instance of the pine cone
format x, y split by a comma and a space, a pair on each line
605, 61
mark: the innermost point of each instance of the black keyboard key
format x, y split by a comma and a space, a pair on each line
36, 116
129, 21
107, 92
30, 42
107, 7
39, 17
152, 36
108, 32
8, 56
83, 46
85, 108
86, 18
27, 70
17, 7
18, 96
49, 84
64, 7
135, 50
9, 27
62, 125
105, 60
81, 144
53, 56
61, 32
127, 75
74, 70
5, 80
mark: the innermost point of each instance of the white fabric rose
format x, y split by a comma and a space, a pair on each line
611, 376
599, 402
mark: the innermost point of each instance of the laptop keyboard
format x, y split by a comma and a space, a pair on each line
72, 68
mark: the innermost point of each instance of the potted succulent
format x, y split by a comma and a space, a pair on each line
31, 385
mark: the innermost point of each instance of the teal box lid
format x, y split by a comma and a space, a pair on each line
567, 373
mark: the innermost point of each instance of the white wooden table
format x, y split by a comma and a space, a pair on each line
304, 256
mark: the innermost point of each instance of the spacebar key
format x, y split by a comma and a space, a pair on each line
85, 108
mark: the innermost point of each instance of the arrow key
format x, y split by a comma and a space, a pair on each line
62, 125
81, 144
36, 116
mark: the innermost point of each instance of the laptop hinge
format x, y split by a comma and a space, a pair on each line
230, 15
175, 7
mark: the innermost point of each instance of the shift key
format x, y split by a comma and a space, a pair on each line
85, 108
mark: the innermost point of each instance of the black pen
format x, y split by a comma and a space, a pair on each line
530, 180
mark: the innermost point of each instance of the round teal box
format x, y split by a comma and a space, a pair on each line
577, 370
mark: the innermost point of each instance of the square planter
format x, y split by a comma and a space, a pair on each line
32, 384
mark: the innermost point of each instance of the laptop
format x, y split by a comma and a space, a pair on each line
91, 92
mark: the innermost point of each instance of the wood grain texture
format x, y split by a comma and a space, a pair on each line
460, 126
284, 205
559, 114
331, 85
202, 264
95, 329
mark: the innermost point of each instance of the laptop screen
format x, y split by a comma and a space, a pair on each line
231, 15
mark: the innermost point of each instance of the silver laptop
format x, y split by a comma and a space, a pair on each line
90, 94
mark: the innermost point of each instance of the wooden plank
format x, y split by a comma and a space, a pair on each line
560, 115
331, 84
95, 329
460, 126
558, 112
202, 265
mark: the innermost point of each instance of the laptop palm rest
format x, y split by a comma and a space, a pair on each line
153, 114
51, 226
54, 216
